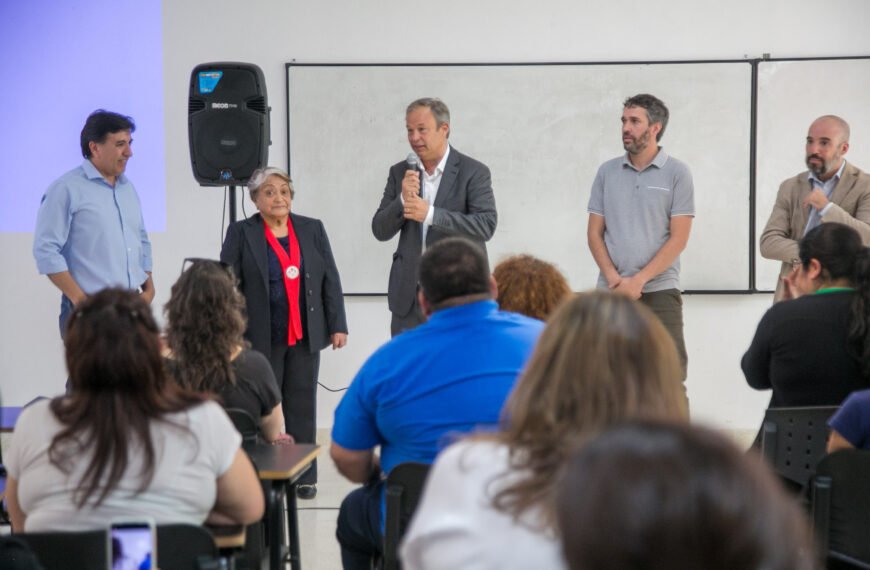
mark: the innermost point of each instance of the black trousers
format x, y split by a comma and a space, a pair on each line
296, 369
413, 319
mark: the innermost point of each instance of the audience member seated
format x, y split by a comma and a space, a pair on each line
126, 441
850, 426
208, 353
815, 349
488, 502
647, 496
530, 286
448, 376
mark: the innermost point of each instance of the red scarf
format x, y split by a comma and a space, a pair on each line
290, 270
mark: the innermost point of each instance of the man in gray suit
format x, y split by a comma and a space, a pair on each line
451, 195
831, 191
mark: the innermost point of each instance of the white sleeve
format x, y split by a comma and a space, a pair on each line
445, 531
219, 438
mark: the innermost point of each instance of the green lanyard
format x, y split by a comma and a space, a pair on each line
833, 290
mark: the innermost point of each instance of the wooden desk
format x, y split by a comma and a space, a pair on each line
283, 465
228, 536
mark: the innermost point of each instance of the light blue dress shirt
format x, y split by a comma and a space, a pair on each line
827, 187
94, 231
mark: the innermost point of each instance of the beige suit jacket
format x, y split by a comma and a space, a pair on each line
851, 198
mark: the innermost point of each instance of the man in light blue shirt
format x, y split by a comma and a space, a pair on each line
90, 233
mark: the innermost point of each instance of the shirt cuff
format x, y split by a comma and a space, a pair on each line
430, 215
824, 210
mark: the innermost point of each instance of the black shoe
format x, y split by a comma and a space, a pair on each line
306, 491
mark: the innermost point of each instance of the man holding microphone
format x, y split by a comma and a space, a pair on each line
437, 192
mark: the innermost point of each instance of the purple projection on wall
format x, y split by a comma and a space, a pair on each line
59, 62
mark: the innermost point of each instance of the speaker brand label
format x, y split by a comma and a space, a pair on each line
224, 106
208, 80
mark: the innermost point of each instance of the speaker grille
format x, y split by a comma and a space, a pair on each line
195, 105
228, 122
257, 104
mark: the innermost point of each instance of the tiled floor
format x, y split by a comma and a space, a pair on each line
317, 517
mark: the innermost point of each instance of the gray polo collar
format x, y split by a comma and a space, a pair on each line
659, 161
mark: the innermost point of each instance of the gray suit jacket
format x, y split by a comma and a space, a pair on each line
464, 207
851, 198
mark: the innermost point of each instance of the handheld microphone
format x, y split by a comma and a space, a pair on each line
413, 163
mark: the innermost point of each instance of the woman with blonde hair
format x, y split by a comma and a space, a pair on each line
489, 500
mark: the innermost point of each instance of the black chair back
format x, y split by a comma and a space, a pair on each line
185, 547
841, 507
245, 424
403, 489
70, 550
793, 440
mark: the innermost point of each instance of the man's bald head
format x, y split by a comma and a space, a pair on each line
837, 123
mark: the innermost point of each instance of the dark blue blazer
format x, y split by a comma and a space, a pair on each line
245, 249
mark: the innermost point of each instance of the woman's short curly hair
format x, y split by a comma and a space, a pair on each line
530, 286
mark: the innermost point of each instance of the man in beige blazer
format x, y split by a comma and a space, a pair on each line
832, 190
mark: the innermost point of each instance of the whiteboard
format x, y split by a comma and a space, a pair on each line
543, 130
791, 94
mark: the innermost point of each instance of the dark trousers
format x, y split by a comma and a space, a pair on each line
668, 307
359, 527
413, 319
296, 369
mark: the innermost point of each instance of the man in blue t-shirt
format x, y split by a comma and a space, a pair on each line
416, 393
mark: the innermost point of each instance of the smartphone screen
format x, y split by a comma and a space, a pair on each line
133, 546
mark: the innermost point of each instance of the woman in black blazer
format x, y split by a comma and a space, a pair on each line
293, 295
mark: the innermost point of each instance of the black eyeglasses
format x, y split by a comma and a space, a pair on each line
189, 261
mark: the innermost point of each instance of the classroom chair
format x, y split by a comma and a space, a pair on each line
245, 424
404, 487
69, 550
840, 505
793, 440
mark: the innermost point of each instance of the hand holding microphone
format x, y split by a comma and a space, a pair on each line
415, 207
411, 181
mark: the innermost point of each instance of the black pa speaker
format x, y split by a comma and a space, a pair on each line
227, 123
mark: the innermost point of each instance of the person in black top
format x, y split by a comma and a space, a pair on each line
208, 353
814, 350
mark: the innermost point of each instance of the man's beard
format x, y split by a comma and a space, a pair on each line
637, 145
819, 168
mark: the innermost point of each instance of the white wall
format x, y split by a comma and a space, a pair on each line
272, 32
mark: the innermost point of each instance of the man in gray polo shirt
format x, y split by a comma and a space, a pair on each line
640, 216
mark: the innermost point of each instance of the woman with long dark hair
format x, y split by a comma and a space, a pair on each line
126, 441
814, 350
205, 328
